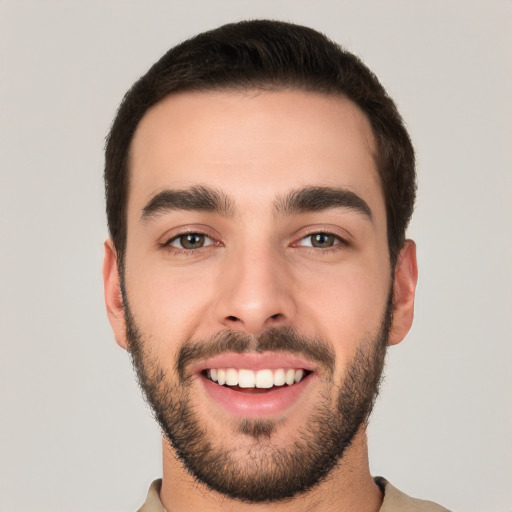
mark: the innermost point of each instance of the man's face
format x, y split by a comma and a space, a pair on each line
257, 254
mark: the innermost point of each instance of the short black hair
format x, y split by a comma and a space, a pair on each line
266, 55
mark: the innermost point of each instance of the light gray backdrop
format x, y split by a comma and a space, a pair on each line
75, 434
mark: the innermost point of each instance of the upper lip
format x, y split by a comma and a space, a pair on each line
256, 361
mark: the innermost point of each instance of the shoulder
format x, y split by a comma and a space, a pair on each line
153, 503
394, 500
397, 501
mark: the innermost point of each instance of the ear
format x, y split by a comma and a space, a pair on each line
113, 297
404, 288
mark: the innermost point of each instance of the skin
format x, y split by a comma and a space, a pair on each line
259, 270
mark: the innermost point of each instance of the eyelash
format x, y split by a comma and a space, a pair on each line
183, 251
339, 243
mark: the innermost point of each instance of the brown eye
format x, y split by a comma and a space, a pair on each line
191, 241
320, 241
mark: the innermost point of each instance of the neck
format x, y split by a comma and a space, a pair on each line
349, 486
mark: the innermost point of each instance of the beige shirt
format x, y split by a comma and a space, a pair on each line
394, 500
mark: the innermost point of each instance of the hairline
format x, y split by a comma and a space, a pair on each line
262, 85
274, 86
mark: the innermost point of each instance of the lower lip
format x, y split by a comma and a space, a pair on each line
255, 404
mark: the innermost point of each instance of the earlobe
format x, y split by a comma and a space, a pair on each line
113, 296
404, 288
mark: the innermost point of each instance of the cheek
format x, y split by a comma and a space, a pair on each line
345, 306
168, 304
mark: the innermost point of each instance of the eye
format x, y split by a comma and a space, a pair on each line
320, 240
190, 241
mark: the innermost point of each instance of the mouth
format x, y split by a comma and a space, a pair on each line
255, 385
264, 379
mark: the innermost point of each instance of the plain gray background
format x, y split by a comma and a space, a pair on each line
75, 434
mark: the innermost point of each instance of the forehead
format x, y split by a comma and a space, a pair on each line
253, 145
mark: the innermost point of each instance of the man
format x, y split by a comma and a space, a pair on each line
259, 182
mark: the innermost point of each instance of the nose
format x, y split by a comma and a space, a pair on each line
255, 291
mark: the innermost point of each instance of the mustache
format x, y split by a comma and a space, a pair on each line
275, 339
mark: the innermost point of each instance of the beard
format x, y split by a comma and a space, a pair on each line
263, 472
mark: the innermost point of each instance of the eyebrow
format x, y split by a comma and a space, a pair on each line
314, 199
196, 198
206, 199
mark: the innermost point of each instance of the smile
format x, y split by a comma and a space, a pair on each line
256, 385
261, 379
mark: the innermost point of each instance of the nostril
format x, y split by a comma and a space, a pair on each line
276, 316
232, 318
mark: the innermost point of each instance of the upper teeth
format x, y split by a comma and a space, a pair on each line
250, 379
